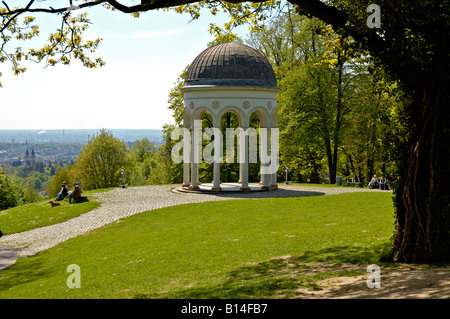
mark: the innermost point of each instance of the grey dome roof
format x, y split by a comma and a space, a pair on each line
231, 64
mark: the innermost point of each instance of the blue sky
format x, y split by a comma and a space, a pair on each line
144, 58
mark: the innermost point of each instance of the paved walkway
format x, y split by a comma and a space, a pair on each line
124, 202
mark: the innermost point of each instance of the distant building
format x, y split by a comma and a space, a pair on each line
30, 158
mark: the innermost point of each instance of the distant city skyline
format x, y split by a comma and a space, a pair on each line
144, 57
18, 146
75, 136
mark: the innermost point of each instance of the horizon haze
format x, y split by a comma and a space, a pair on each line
42, 136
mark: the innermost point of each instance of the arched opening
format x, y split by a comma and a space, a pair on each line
206, 173
204, 168
229, 168
260, 170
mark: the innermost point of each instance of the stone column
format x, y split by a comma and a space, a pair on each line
241, 167
274, 156
243, 157
186, 177
186, 158
196, 155
217, 158
265, 158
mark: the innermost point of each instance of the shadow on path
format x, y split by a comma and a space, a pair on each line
8, 256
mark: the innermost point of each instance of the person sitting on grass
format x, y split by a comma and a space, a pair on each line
76, 193
63, 192
382, 183
373, 182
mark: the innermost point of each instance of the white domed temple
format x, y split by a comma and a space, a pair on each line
231, 77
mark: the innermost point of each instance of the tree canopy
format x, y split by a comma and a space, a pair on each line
407, 28
101, 160
10, 193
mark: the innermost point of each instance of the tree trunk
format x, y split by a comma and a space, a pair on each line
315, 178
370, 163
338, 119
353, 172
331, 167
423, 192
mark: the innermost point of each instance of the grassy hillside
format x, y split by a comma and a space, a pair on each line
231, 249
39, 214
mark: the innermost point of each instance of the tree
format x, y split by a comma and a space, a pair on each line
412, 46
30, 194
101, 160
11, 194
374, 129
55, 184
142, 148
149, 165
173, 172
316, 71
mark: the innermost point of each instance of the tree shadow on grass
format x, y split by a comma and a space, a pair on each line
281, 277
22, 272
279, 193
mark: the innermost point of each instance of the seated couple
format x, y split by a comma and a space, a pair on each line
381, 183
75, 194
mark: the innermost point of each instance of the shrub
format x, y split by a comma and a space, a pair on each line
11, 194
101, 160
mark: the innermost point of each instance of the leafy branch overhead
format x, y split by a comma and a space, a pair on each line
413, 22
19, 24
61, 46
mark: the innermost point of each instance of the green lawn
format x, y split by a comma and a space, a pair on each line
229, 249
34, 215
